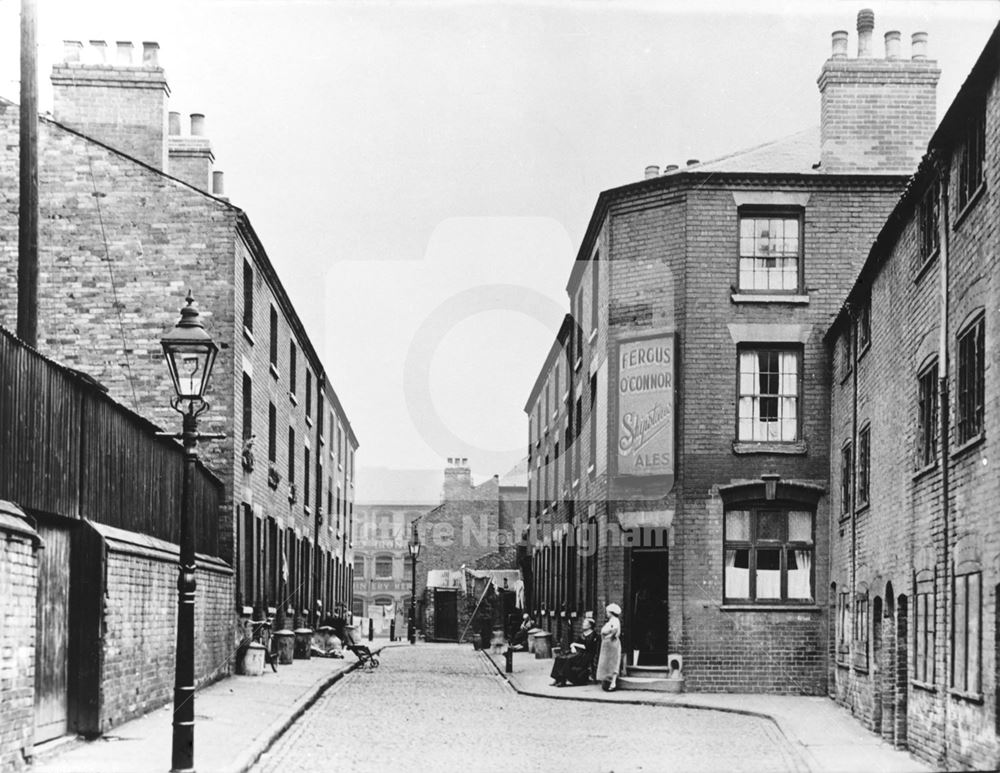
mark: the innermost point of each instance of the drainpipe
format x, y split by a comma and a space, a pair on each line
317, 553
852, 338
943, 169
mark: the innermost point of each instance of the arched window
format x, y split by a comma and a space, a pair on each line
383, 567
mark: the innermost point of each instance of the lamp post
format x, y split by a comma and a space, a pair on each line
414, 547
190, 354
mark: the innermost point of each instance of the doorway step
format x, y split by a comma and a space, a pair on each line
650, 678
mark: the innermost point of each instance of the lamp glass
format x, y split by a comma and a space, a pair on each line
190, 365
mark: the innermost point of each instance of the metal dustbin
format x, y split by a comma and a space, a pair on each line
303, 643
531, 638
284, 646
543, 645
252, 662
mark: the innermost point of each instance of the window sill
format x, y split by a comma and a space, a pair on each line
925, 265
846, 376
925, 470
969, 205
797, 299
292, 398
970, 697
307, 510
864, 349
578, 363
765, 447
248, 335
791, 606
862, 508
593, 336
925, 686
968, 445
843, 665
275, 372
861, 669
590, 470
309, 421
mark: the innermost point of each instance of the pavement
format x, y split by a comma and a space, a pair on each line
236, 720
826, 738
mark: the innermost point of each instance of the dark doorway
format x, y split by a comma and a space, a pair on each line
649, 615
446, 614
878, 656
902, 677
52, 633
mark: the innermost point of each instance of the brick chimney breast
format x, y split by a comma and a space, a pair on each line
457, 480
191, 156
120, 104
876, 115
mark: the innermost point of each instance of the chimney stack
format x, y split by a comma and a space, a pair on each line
457, 480
191, 156
121, 104
876, 115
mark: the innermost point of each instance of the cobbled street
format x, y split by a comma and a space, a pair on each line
443, 707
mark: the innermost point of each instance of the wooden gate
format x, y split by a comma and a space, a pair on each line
52, 634
445, 614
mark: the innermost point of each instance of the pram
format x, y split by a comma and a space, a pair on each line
365, 656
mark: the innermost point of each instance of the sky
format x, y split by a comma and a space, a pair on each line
422, 173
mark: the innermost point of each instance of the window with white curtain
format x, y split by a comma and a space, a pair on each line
768, 555
768, 408
770, 252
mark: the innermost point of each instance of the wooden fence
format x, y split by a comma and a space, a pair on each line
68, 449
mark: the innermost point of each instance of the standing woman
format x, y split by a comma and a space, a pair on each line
611, 649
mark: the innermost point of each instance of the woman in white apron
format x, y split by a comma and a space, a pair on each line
610, 658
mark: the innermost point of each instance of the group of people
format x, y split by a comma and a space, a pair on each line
592, 655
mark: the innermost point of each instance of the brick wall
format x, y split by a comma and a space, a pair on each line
141, 631
18, 588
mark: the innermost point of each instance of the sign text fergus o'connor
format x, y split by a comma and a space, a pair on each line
646, 406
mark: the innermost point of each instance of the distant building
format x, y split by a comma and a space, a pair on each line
915, 538
679, 432
388, 503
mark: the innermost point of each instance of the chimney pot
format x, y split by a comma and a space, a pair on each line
866, 25
197, 124
125, 52
652, 171
918, 46
670, 168
218, 188
892, 44
150, 53
692, 161
72, 50
174, 123
839, 41
99, 50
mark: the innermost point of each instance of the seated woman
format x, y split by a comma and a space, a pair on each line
520, 638
577, 667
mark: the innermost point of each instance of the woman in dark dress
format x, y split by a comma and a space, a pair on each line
577, 667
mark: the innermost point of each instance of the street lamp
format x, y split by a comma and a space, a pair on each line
414, 547
190, 354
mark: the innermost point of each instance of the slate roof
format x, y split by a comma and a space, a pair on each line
798, 153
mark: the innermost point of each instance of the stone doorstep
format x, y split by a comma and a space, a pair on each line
651, 684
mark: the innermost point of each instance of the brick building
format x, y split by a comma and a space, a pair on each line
679, 430
474, 528
388, 502
915, 541
131, 216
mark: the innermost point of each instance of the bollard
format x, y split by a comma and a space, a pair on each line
392, 631
371, 629
508, 657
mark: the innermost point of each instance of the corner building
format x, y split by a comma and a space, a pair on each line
915, 540
679, 429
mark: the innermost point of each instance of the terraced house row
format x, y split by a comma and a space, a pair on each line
772, 510
132, 216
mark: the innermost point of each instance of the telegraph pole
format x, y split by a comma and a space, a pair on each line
27, 215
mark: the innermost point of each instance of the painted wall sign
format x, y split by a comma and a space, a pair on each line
645, 389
